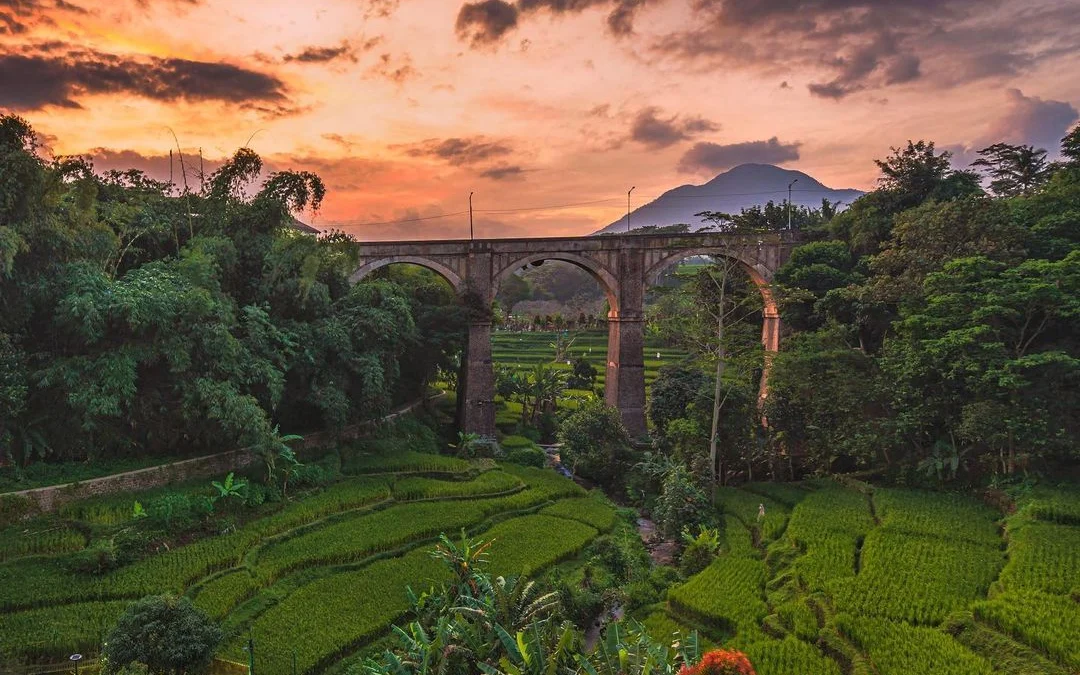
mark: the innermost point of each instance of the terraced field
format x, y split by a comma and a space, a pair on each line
525, 350
319, 578
871, 581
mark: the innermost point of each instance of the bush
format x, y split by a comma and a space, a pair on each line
700, 550
531, 456
595, 443
99, 558
166, 633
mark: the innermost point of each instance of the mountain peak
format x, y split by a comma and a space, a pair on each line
740, 187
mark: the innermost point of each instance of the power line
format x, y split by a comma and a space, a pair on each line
554, 207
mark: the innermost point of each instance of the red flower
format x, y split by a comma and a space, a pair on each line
721, 662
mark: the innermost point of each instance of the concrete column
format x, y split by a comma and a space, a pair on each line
625, 382
478, 409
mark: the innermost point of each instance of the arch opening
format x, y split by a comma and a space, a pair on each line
449, 275
603, 277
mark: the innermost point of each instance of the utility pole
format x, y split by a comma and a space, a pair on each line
470, 217
789, 202
628, 208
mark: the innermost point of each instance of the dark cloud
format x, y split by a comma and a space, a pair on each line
503, 172
713, 157
460, 151
396, 70
865, 45
656, 133
484, 23
48, 77
1034, 121
346, 51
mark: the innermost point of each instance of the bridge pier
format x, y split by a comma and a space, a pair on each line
478, 389
624, 384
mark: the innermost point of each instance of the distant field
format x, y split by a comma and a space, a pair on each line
525, 350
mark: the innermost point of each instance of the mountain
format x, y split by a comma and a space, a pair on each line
741, 187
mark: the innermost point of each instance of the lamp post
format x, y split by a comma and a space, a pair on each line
470, 217
75, 658
789, 202
628, 208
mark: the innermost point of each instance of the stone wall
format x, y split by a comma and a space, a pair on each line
48, 499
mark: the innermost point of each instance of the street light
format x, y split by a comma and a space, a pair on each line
76, 658
789, 202
628, 209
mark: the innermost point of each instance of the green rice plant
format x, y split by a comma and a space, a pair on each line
526, 545
799, 619
738, 540
1042, 557
544, 482
789, 656
826, 527
788, 494
333, 615
745, 506
948, 574
39, 538
52, 632
589, 510
1047, 622
360, 536
1056, 505
487, 483
898, 648
328, 618
220, 595
1005, 654
43, 582
727, 594
664, 629
408, 461
944, 515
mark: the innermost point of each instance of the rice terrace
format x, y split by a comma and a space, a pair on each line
534, 337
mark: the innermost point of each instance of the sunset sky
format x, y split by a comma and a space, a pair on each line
405, 106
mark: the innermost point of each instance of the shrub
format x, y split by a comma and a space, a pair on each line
595, 442
179, 511
168, 634
531, 456
700, 549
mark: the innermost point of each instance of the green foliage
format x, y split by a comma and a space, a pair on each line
698, 549
740, 607
167, 634
594, 442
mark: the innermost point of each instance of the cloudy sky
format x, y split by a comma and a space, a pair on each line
405, 106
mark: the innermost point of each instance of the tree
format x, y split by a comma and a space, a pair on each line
166, 633
594, 442
1014, 170
673, 392
914, 172
1070, 147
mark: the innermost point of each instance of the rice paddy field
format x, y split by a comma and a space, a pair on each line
523, 351
317, 578
853, 579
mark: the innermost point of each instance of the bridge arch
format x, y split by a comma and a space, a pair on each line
452, 277
603, 276
761, 275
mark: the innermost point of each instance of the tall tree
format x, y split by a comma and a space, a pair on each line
1013, 170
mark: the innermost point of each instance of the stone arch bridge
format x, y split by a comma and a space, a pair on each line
623, 265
